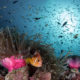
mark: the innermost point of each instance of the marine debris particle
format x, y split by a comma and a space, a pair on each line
61, 42
29, 7
58, 23
37, 18
75, 36
25, 26
46, 25
62, 51
4, 7
60, 36
14, 2
1, 16
8, 21
9, 13
64, 23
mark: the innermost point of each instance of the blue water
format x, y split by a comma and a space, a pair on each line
58, 23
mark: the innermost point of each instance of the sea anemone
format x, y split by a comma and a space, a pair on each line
13, 63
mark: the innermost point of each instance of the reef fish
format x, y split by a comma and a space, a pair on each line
37, 18
76, 36
13, 63
74, 61
35, 61
64, 24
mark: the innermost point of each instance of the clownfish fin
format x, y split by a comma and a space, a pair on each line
27, 60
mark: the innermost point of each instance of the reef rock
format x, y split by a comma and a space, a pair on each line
77, 77
41, 76
1, 78
19, 74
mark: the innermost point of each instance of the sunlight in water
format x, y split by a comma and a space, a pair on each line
70, 20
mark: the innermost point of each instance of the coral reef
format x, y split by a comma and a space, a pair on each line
13, 43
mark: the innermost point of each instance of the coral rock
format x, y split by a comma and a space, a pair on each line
77, 77
41, 76
20, 74
1, 78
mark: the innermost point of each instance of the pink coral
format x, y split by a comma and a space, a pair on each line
13, 63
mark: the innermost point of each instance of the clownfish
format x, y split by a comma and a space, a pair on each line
35, 61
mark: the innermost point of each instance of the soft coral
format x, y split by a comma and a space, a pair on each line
13, 63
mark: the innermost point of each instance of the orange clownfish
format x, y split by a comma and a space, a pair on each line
35, 61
